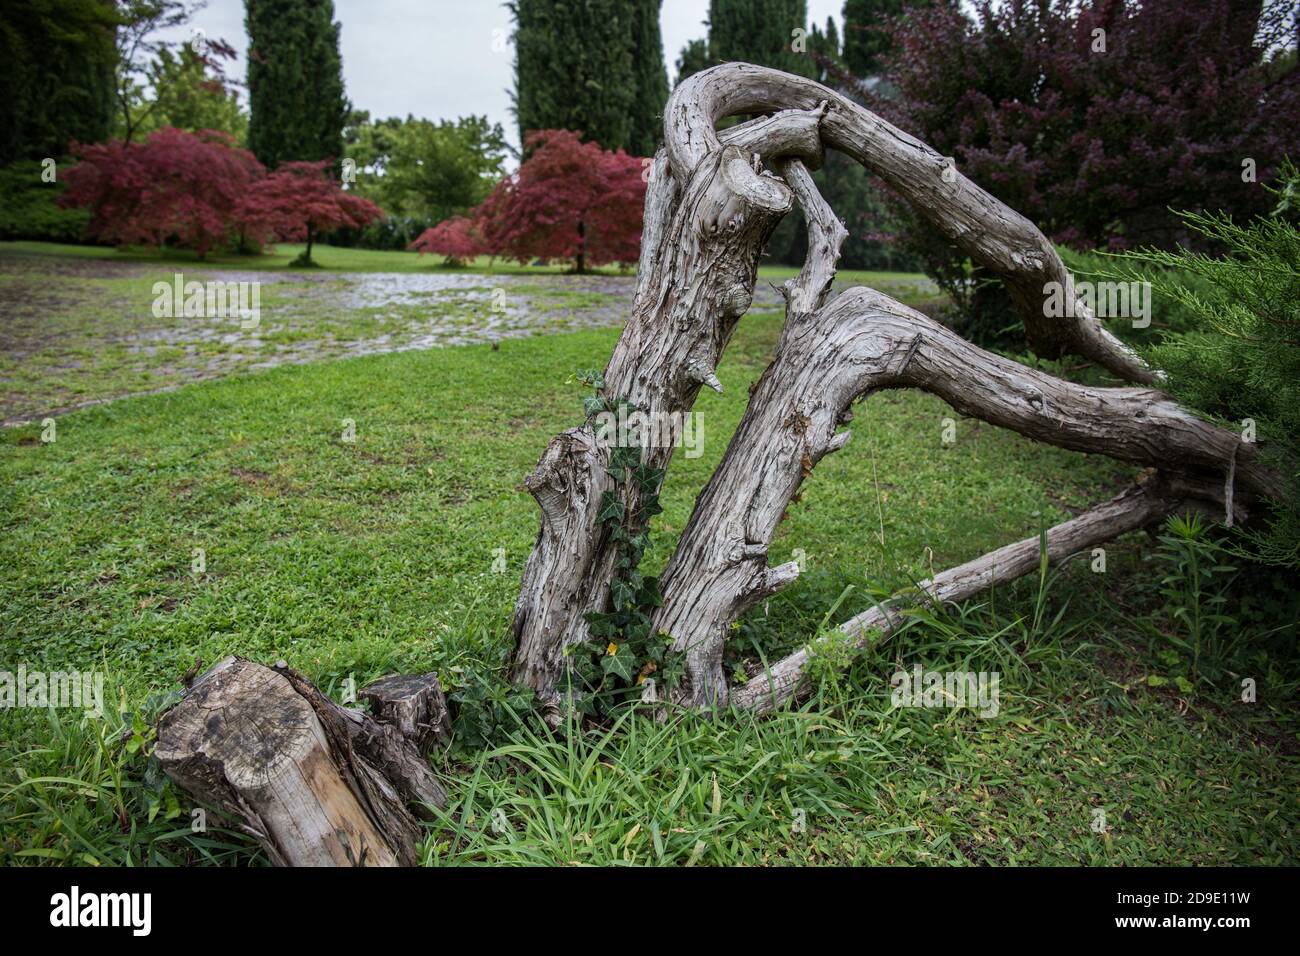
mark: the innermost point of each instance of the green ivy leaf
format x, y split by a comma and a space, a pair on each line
611, 509
622, 664
648, 478
650, 594
625, 457
623, 594
601, 625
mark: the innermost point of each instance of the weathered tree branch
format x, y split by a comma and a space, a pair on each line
864, 342
709, 222
789, 133
720, 568
808, 291
1149, 501
992, 234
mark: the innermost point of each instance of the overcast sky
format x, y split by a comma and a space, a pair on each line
435, 58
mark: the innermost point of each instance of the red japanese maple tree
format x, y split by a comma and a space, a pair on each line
570, 201
176, 187
457, 239
299, 201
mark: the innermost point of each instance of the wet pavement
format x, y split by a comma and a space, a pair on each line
75, 332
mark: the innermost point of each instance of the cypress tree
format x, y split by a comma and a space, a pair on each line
651, 78
56, 69
832, 37
693, 59
295, 81
864, 45
758, 31
574, 68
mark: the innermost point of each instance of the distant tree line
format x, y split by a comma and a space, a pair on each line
1179, 106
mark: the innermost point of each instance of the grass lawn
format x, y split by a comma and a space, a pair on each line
339, 259
328, 258
355, 559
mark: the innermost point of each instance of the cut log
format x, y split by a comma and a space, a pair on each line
315, 783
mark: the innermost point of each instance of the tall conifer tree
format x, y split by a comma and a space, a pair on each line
573, 68
295, 81
865, 44
759, 31
56, 71
650, 76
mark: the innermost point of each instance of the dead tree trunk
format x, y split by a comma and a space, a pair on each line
708, 210
706, 227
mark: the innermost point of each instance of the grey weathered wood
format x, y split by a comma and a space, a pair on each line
414, 705
315, 783
983, 227
705, 227
807, 291
785, 134
861, 343
709, 207
1149, 501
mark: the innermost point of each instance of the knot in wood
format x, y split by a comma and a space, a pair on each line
734, 299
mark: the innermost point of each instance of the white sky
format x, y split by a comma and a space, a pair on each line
434, 58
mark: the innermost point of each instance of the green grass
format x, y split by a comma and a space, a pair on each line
359, 559
80, 328
327, 258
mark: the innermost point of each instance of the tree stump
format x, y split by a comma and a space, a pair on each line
315, 783
414, 705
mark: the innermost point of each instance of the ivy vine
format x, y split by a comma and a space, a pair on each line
625, 651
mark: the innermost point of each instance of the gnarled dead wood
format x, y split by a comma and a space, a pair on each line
1149, 501
316, 784
861, 343
707, 224
321, 784
709, 208
992, 234
808, 291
